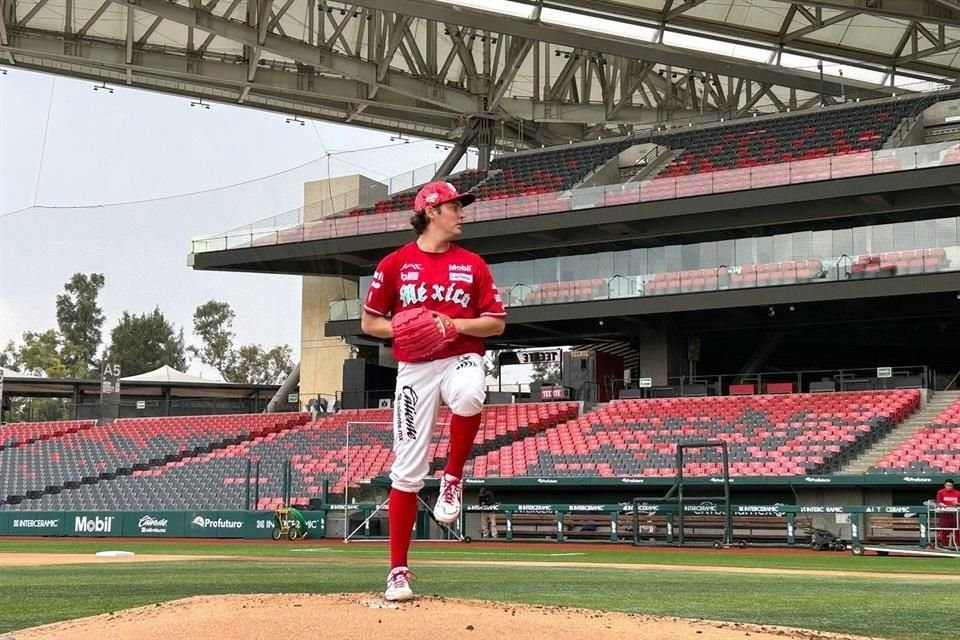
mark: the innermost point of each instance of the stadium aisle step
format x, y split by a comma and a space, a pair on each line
899, 434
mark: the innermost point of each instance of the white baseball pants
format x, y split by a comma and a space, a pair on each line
459, 381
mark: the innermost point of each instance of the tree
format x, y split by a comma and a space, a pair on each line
80, 320
213, 322
40, 355
491, 363
546, 373
145, 342
8, 357
252, 363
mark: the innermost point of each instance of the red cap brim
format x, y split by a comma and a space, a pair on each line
465, 199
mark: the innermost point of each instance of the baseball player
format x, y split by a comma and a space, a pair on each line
948, 497
437, 302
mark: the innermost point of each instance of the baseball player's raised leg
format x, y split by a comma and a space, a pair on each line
414, 414
462, 388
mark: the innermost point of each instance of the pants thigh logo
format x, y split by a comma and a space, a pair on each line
465, 362
405, 415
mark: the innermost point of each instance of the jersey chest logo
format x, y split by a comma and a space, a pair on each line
411, 294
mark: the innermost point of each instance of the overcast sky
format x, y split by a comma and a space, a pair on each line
97, 148
62, 144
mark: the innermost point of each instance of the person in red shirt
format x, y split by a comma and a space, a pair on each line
434, 273
947, 522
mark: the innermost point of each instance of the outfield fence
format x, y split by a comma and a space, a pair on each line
777, 524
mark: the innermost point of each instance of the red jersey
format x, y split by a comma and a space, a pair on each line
456, 283
948, 497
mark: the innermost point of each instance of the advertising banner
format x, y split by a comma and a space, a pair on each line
96, 524
153, 524
34, 523
216, 524
260, 524
316, 523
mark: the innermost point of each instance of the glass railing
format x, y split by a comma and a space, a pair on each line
811, 271
666, 188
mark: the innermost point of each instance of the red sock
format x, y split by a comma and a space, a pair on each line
402, 514
463, 431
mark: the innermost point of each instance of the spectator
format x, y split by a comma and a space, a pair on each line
313, 409
322, 404
947, 522
488, 519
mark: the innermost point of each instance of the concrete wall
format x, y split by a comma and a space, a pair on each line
662, 353
321, 358
610, 172
946, 112
322, 198
909, 133
941, 122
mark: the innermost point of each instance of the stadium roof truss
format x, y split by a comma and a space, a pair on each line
453, 71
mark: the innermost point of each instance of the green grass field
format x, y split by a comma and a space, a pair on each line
885, 606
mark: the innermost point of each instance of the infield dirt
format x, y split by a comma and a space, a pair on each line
351, 616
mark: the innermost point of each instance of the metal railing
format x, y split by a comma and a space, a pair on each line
327, 207
805, 381
710, 279
653, 190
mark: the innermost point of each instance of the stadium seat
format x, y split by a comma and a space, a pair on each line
807, 140
318, 451
16, 434
780, 435
935, 449
123, 446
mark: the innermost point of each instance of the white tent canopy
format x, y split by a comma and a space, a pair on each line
10, 373
168, 374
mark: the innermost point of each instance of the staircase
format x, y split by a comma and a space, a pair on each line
900, 434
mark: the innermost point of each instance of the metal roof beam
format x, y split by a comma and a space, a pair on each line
636, 49
733, 33
286, 91
320, 58
4, 41
926, 10
818, 24
670, 12
576, 113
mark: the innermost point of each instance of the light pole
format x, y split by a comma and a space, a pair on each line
820, 69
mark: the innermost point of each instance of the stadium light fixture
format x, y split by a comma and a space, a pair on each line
199, 103
295, 120
103, 87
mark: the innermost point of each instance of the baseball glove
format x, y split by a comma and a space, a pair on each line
419, 335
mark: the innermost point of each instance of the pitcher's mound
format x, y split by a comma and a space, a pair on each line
351, 616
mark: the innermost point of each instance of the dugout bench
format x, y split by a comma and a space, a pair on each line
659, 523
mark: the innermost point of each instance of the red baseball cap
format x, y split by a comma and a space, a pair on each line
434, 194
